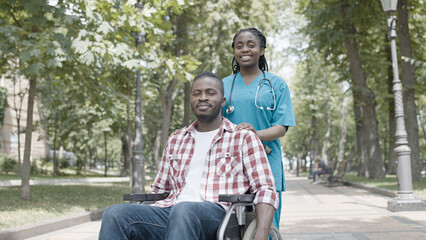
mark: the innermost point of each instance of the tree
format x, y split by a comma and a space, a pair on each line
407, 79
30, 37
365, 95
334, 27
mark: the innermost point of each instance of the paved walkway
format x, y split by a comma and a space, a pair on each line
319, 212
316, 212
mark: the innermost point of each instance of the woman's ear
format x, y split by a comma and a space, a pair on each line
262, 51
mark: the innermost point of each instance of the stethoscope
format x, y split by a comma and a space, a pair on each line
231, 108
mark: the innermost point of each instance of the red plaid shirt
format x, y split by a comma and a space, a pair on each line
235, 163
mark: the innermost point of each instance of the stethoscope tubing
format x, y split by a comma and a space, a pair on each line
231, 108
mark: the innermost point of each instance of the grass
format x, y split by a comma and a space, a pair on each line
390, 182
65, 174
49, 201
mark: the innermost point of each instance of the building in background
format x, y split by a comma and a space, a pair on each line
17, 94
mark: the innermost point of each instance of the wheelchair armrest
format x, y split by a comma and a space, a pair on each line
237, 198
142, 197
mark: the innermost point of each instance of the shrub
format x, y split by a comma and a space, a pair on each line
63, 163
7, 163
34, 167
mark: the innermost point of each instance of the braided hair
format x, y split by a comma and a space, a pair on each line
263, 65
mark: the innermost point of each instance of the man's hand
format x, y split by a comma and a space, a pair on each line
264, 216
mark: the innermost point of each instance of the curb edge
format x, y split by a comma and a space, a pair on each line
50, 225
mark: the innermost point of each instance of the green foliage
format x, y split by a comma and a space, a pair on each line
31, 40
390, 183
7, 163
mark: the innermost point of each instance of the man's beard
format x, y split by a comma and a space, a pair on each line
208, 117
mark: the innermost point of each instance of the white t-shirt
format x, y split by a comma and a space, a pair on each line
191, 190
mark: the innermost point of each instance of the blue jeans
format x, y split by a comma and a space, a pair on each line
317, 173
185, 220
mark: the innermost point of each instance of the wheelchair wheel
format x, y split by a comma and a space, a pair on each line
274, 233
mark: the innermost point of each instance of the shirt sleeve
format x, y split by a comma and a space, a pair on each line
161, 181
283, 114
258, 171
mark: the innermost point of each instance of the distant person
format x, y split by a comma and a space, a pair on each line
208, 158
321, 168
259, 100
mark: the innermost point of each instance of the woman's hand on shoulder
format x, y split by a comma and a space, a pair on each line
246, 126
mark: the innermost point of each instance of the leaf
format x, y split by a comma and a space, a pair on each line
105, 28
132, 63
88, 58
81, 46
70, 19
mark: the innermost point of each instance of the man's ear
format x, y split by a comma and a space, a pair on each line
223, 103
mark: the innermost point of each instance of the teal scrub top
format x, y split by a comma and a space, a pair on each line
243, 100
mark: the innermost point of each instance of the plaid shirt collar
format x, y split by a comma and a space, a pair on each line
225, 125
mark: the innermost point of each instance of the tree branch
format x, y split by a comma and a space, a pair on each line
14, 19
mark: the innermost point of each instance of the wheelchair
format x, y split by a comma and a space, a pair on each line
239, 222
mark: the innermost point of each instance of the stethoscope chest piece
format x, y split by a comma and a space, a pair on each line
230, 109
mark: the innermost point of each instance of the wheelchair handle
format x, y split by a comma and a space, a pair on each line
142, 197
237, 198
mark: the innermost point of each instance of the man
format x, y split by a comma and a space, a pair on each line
321, 169
208, 158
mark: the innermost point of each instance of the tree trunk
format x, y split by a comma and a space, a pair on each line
366, 97
315, 141
360, 144
299, 165
171, 92
311, 160
127, 151
18, 170
126, 140
342, 141
86, 153
350, 159
26, 166
18, 111
187, 104
55, 134
326, 141
341, 163
407, 79
167, 103
106, 154
157, 145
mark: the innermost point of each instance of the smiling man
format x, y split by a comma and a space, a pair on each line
208, 158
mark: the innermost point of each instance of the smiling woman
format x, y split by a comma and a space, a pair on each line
259, 100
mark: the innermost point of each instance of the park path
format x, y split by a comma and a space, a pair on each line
316, 212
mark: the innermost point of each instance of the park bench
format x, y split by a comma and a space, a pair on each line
330, 179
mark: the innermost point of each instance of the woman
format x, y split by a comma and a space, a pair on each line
259, 100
